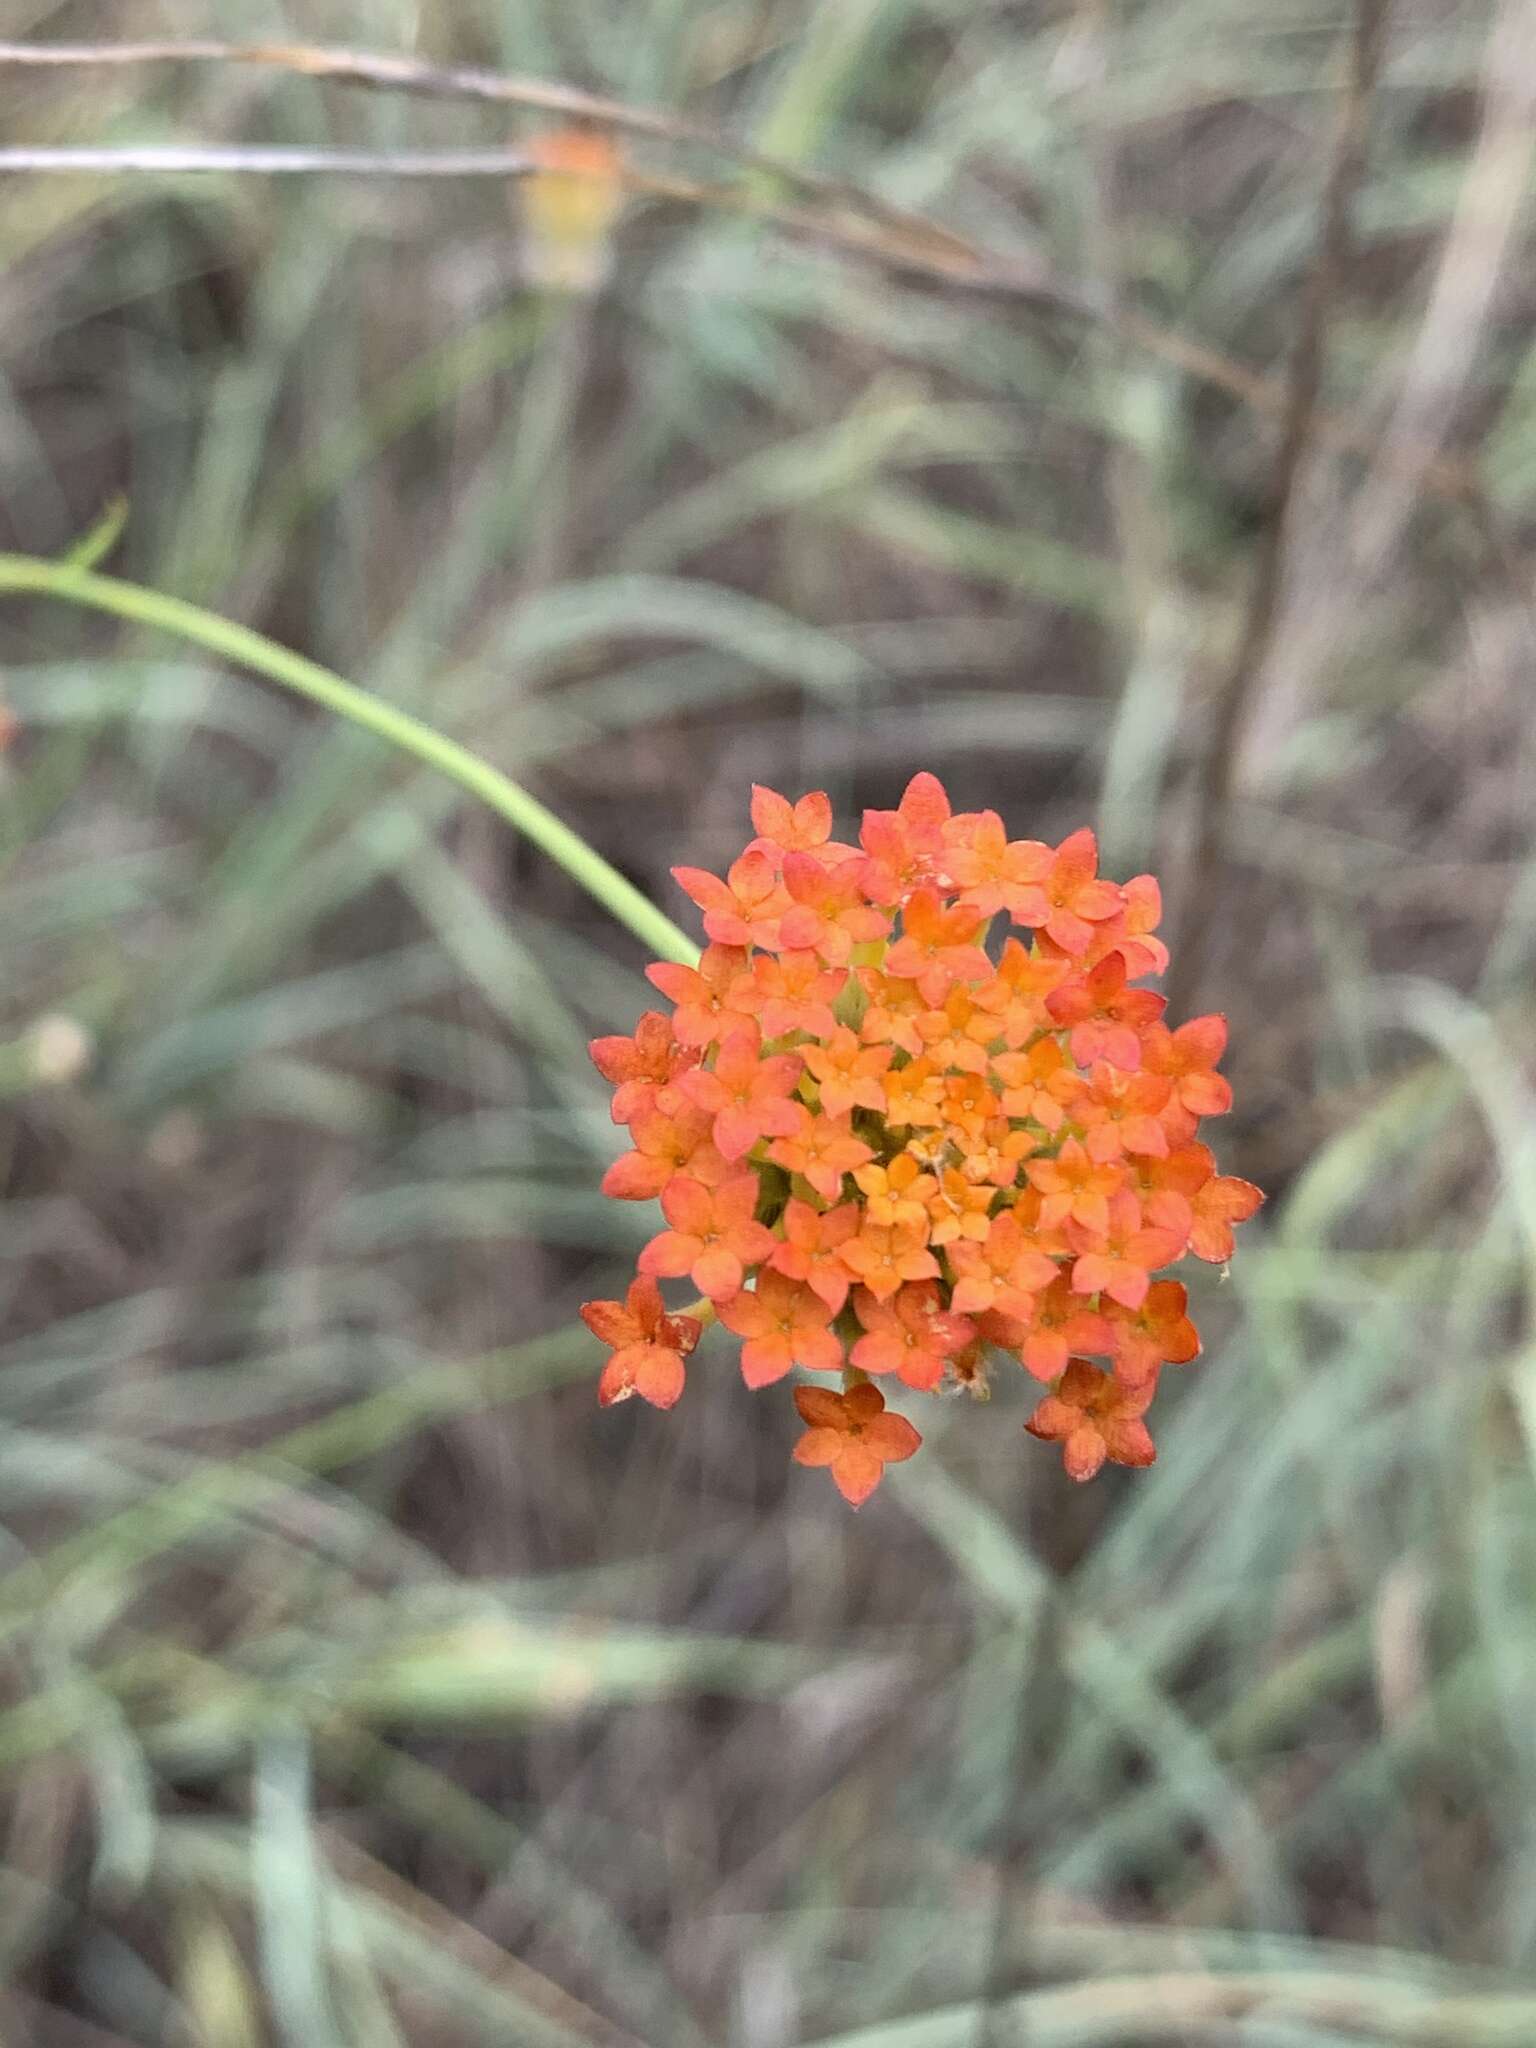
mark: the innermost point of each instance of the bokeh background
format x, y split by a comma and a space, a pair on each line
360, 1683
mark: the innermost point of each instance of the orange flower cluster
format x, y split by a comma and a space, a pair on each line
886, 1151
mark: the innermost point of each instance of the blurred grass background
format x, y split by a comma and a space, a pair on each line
359, 1682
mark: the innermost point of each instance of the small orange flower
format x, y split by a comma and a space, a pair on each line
792, 993
1004, 1272
666, 1143
1039, 1084
897, 1193
702, 993
821, 1149
1093, 1418
812, 1239
966, 1106
640, 1066
1158, 1333
1218, 1205
1188, 1057
959, 1209
996, 873
1131, 932
1120, 1261
785, 1325
1016, 995
938, 947
995, 1153
1107, 1020
1167, 1187
1075, 1186
1072, 901
783, 827
883, 1255
894, 1012
847, 1073
852, 1435
829, 911
959, 1033
905, 847
912, 1095
747, 1096
1122, 1113
911, 1335
713, 1236
1061, 1324
650, 1345
744, 909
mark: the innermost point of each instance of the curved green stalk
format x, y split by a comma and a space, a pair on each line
238, 644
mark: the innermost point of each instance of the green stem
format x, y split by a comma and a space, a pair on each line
238, 644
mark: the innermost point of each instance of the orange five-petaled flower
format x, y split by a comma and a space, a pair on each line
853, 1435
650, 1345
910, 1108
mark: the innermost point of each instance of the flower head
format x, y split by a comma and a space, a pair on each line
911, 1111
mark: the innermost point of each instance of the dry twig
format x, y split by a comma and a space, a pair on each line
843, 216
412, 75
252, 159
1298, 432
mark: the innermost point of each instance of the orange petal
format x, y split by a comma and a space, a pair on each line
1203, 1039
818, 1446
737, 1130
659, 1376
879, 1351
856, 1473
924, 800
1129, 1442
1084, 1452
610, 1321
670, 1254
636, 1177
772, 815
765, 1359
718, 1273
921, 1371
1053, 1419
863, 1403
819, 1350
820, 1408
892, 1438
1206, 1094
688, 1205
747, 1315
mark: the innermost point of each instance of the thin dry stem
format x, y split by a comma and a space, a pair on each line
411, 75
253, 160
847, 217
1214, 776
1349, 557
